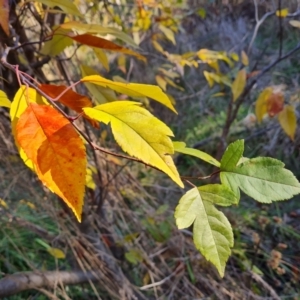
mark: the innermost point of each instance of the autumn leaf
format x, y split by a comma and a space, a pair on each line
245, 59
57, 152
4, 15
288, 121
130, 126
239, 84
161, 82
97, 42
132, 89
70, 99
168, 33
261, 105
282, 13
4, 101
65, 5
275, 104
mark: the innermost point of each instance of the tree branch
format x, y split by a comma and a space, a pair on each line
16, 283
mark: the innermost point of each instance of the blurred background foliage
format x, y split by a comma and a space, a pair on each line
128, 232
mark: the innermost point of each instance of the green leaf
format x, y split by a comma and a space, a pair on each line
180, 147
212, 232
232, 155
262, 178
218, 194
65, 5
132, 89
139, 134
4, 101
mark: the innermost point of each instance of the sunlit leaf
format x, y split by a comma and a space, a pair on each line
282, 13
261, 105
239, 84
212, 232
161, 82
89, 180
102, 58
70, 99
57, 152
4, 101
262, 178
157, 46
288, 120
130, 126
98, 29
181, 148
4, 15
132, 89
65, 5
97, 42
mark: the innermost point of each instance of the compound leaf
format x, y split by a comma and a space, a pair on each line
139, 134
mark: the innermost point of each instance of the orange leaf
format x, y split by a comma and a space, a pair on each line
97, 42
4, 15
275, 104
70, 99
57, 152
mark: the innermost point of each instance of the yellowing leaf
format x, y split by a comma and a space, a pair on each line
102, 58
282, 13
261, 105
209, 56
288, 121
295, 23
173, 84
122, 63
23, 97
65, 5
89, 180
157, 46
209, 78
57, 253
4, 15
99, 93
161, 82
98, 29
4, 101
139, 134
245, 59
97, 42
3, 203
168, 33
58, 42
132, 89
239, 84
57, 152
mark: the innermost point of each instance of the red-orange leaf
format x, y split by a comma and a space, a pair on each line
70, 99
97, 42
4, 16
57, 152
275, 104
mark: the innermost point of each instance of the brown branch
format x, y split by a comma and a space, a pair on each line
16, 283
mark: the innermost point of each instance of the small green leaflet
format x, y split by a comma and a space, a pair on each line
263, 178
212, 231
180, 147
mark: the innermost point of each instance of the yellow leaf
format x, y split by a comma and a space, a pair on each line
161, 82
139, 134
288, 121
98, 29
102, 58
99, 93
157, 46
282, 13
19, 104
209, 78
261, 105
234, 56
4, 101
122, 63
132, 89
58, 42
245, 59
209, 56
65, 5
295, 23
173, 84
3, 203
89, 180
168, 33
239, 84
57, 253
